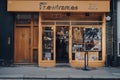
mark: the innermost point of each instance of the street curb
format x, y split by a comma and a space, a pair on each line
85, 77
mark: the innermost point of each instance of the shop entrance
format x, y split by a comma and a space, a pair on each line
62, 44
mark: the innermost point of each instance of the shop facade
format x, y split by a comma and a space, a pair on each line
50, 32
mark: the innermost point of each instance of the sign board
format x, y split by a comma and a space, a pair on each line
58, 6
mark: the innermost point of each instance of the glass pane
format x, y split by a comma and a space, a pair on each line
86, 39
92, 39
77, 42
47, 43
77, 39
23, 18
92, 33
93, 45
36, 17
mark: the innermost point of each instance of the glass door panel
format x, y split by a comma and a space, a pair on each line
77, 43
47, 43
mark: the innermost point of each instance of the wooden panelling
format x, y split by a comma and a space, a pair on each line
28, 38
90, 64
71, 16
35, 37
104, 37
47, 64
40, 41
22, 45
60, 6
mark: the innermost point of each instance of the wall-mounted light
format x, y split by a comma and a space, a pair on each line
108, 18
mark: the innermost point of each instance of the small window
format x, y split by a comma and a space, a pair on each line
23, 18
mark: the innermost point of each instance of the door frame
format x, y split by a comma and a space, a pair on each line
41, 62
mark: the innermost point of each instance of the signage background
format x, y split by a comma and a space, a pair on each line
83, 6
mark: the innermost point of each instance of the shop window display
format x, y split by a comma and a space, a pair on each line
47, 44
77, 40
86, 39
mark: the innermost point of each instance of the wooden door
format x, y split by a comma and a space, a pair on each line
22, 45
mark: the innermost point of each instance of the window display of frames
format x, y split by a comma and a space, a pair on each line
86, 39
47, 43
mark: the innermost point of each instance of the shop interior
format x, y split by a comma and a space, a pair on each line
62, 43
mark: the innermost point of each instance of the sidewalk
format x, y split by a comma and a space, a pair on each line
65, 73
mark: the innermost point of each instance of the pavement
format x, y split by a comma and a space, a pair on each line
58, 73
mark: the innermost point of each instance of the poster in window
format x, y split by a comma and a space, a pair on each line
92, 39
93, 45
92, 33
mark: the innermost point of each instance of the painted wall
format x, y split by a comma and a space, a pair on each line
6, 30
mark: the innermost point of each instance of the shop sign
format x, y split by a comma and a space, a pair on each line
54, 6
44, 6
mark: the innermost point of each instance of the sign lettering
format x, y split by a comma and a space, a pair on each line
44, 6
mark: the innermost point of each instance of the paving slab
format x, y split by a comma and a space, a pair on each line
67, 73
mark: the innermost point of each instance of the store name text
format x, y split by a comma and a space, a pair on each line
44, 6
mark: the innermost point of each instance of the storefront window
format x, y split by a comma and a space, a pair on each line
48, 43
86, 39
78, 39
92, 39
23, 18
36, 17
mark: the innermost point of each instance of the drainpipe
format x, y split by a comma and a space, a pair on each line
114, 23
